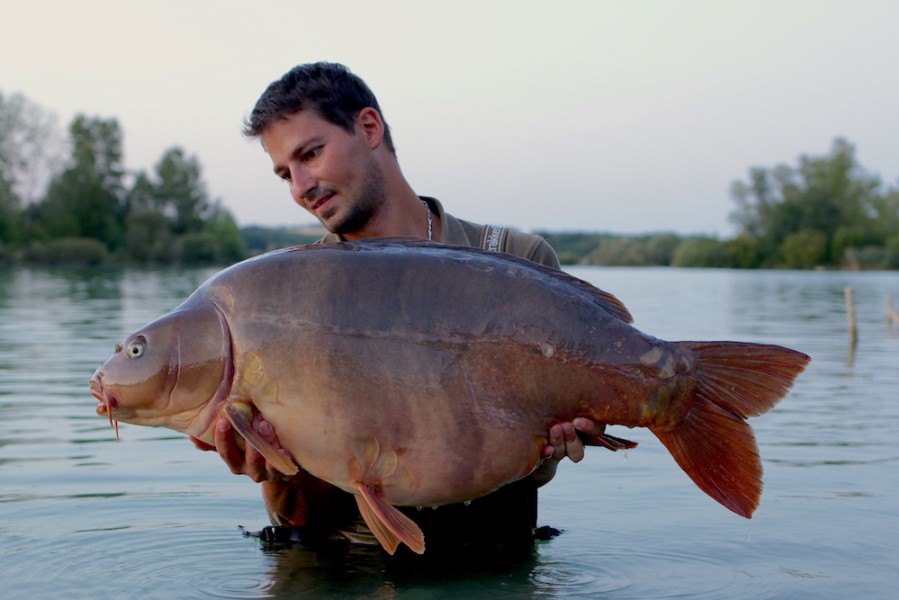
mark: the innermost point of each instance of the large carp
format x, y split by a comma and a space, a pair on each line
416, 374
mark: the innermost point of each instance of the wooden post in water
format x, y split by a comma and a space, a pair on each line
892, 314
853, 330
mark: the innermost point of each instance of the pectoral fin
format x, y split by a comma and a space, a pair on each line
607, 441
244, 426
387, 523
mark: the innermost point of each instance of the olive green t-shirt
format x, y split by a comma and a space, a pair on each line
457, 232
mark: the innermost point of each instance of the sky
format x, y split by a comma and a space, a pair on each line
623, 116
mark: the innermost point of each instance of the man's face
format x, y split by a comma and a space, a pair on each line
332, 173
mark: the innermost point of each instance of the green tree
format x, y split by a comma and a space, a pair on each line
86, 199
804, 249
223, 226
823, 194
619, 251
660, 248
172, 219
572, 247
148, 237
262, 239
224, 236
846, 237
28, 149
29, 146
9, 213
885, 221
701, 252
742, 252
181, 192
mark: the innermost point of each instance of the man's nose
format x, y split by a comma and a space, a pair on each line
301, 184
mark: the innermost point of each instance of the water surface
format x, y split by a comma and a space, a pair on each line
82, 516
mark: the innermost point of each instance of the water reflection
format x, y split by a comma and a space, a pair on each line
361, 571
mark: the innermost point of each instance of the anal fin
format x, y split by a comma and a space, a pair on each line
389, 526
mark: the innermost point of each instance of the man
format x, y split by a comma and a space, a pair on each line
325, 134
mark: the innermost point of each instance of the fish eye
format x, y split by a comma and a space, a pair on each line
137, 347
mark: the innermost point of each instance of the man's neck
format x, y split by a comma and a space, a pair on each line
401, 215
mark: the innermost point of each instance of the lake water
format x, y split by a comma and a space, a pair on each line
82, 516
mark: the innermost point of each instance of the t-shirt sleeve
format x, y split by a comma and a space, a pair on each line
544, 254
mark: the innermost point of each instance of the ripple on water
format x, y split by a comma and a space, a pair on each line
141, 563
576, 578
647, 565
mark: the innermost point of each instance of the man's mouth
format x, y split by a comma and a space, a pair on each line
320, 202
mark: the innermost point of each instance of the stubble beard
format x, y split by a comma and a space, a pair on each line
364, 205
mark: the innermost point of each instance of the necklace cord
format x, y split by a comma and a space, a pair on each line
430, 221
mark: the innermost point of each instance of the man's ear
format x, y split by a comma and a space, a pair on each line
371, 126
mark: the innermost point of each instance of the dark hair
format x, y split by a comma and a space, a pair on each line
330, 89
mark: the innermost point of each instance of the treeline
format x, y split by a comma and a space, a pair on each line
659, 249
260, 239
69, 198
827, 211
72, 200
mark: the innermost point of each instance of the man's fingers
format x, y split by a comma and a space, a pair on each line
575, 449
201, 445
564, 441
228, 448
244, 459
222, 427
588, 426
266, 431
256, 465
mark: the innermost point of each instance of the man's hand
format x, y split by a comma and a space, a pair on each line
242, 458
290, 501
565, 441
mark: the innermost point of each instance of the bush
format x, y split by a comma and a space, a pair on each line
568, 258
804, 249
148, 238
68, 251
743, 252
870, 257
198, 248
619, 252
6, 253
701, 252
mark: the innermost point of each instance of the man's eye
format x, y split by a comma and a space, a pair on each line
285, 175
312, 153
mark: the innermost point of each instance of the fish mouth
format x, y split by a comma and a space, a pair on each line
107, 402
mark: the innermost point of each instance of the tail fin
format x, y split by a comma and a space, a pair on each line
712, 443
